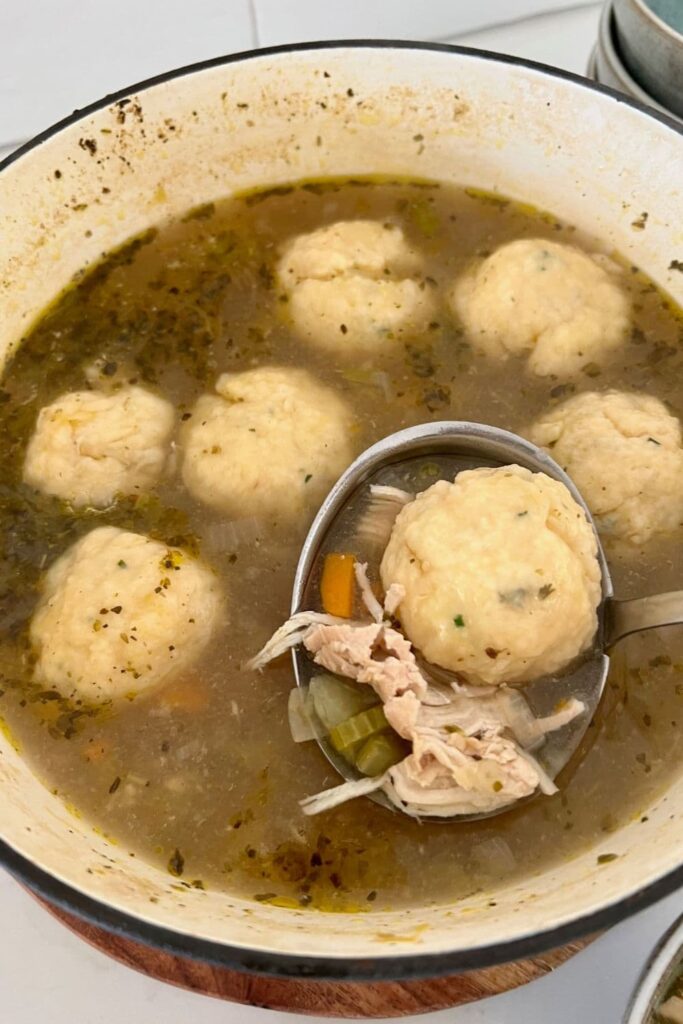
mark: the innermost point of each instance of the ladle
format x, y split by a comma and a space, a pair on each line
446, 448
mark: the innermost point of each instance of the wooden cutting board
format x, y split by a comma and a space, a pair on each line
322, 998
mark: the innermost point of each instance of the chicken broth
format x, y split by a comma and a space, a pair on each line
201, 775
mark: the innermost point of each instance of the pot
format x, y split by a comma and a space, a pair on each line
113, 169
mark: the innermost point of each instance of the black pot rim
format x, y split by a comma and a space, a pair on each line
386, 968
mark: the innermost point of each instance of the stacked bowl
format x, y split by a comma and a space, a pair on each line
640, 52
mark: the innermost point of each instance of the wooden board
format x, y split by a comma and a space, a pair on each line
325, 999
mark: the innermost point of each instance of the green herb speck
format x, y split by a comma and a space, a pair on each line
458, 621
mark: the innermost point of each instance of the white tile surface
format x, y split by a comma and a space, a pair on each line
47, 976
563, 39
56, 56
283, 21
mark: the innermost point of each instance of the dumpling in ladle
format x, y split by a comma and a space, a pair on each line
500, 574
500, 557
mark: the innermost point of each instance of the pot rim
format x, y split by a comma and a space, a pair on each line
287, 965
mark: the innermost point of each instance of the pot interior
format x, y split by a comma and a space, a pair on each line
462, 117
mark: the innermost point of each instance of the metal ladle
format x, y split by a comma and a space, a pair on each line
452, 447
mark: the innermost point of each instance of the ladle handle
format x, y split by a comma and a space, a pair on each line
625, 617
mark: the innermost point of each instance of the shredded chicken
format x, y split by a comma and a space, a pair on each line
470, 744
291, 633
374, 654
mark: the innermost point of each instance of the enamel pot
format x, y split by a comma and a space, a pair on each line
590, 155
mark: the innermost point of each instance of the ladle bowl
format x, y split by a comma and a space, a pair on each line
452, 446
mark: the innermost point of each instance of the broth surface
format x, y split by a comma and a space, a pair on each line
202, 777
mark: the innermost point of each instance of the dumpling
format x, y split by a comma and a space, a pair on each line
270, 442
119, 614
623, 452
354, 287
556, 303
89, 446
500, 574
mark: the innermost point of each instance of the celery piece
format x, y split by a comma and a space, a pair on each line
357, 728
335, 700
380, 752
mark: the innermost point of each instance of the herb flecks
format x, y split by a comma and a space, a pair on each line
458, 621
176, 864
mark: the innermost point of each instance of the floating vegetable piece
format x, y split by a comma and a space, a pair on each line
301, 714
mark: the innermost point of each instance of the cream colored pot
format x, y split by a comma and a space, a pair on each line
195, 135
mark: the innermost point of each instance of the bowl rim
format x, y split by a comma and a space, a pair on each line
387, 967
607, 46
657, 22
656, 974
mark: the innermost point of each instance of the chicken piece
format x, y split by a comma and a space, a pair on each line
375, 654
457, 774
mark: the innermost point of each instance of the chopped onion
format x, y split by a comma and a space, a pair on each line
369, 600
330, 798
378, 519
381, 380
495, 856
672, 1010
228, 536
545, 783
298, 710
520, 718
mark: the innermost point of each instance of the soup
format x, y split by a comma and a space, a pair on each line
201, 775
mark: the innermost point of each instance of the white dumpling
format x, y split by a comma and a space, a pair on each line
500, 574
623, 452
269, 443
89, 446
354, 287
120, 614
564, 308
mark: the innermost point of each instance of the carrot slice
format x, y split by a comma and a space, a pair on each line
337, 584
